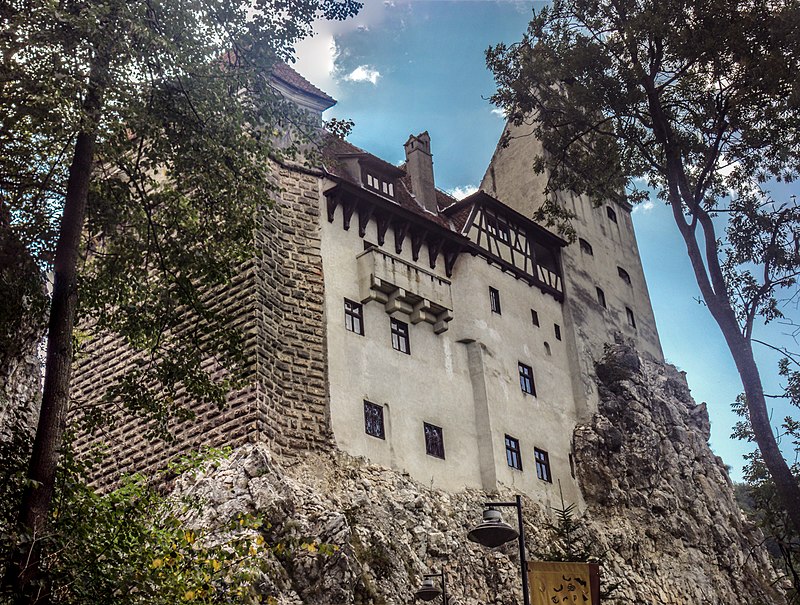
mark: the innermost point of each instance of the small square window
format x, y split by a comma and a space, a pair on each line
400, 340
526, 379
513, 456
586, 247
631, 318
601, 297
623, 274
535, 318
611, 214
353, 317
373, 420
434, 440
542, 465
494, 300
557, 330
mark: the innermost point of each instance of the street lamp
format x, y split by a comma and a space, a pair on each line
429, 591
493, 531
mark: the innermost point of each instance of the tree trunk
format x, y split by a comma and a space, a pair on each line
786, 484
710, 280
35, 505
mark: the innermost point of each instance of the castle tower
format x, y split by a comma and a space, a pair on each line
605, 290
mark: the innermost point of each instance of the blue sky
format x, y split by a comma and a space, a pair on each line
401, 67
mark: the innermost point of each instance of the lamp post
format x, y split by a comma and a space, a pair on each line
493, 532
428, 591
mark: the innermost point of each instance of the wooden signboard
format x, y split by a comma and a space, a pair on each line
553, 583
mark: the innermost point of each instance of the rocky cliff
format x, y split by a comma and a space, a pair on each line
660, 513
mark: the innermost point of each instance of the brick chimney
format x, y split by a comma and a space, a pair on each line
419, 165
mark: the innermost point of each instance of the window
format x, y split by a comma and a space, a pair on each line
572, 465
434, 442
494, 300
373, 420
400, 337
526, 379
547, 348
557, 330
353, 317
631, 318
542, 465
380, 185
623, 274
612, 216
601, 297
512, 453
535, 318
586, 247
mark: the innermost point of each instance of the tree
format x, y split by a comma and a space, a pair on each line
700, 100
135, 143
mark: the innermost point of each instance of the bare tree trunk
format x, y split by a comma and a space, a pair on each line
35, 506
711, 282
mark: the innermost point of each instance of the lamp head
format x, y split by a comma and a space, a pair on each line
493, 531
428, 590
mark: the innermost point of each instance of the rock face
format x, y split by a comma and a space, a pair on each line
660, 503
660, 513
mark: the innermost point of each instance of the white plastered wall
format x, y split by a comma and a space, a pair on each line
437, 382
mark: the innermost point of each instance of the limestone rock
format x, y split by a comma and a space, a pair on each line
660, 511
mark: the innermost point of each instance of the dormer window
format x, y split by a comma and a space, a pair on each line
381, 185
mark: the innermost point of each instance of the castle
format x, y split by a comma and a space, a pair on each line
454, 340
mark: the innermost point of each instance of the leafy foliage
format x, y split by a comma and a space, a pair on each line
133, 544
185, 135
699, 102
759, 499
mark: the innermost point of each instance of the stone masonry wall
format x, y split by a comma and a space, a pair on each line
293, 414
277, 302
104, 358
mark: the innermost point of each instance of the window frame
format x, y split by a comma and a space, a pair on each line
585, 247
557, 331
374, 407
513, 453
378, 183
535, 318
631, 317
353, 315
527, 382
400, 336
542, 459
429, 429
611, 214
601, 297
494, 300
624, 275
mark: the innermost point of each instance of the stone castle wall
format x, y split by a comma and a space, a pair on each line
291, 368
277, 301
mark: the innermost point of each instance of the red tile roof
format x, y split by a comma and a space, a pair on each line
290, 77
336, 149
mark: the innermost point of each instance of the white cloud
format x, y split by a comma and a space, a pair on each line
461, 192
644, 207
317, 55
499, 112
363, 73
